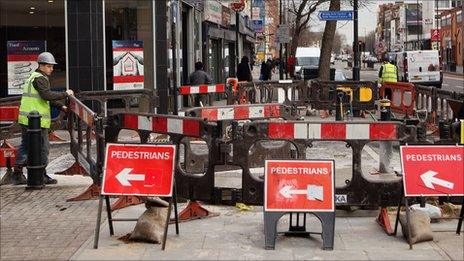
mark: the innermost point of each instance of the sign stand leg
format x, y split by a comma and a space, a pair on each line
408, 221
97, 227
328, 229
110, 218
176, 215
297, 229
461, 217
166, 225
270, 228
398, 212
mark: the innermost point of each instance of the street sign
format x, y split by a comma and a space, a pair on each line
283, 34
433, 170
435, 35
257, 25
335, 15
299, 185
136, 169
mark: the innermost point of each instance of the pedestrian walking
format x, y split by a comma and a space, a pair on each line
291, 62
37, 96
388, 72
264, 73
199, 76
243, 70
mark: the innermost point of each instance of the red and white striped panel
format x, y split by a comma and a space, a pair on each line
9, 113
162, 124
333, 131
200, 89
240, 112
82, 111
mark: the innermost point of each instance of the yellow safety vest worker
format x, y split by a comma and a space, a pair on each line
31, 101
388, 73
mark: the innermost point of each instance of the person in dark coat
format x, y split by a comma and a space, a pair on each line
264, 71
243, 70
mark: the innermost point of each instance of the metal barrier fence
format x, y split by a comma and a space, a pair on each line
103, 97
408, 98
283, 91
359, 95
83, 126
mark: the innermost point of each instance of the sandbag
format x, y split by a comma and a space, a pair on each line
150, 225
420, 226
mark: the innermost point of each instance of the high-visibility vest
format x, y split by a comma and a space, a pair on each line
31, 101
388, 73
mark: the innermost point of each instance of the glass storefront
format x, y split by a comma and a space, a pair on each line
129, 44
26, 29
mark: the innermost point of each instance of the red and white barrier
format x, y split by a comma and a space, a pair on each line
9, 114
82, 111
241, 112
163, 124
202, 89
332, 131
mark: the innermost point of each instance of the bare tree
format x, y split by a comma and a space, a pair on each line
327, 43
301, 11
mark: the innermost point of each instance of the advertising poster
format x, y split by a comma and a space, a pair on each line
127, 65
22, 61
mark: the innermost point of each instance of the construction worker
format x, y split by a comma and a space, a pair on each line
37, 96
388, 71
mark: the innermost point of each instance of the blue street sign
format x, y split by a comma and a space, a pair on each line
335, 15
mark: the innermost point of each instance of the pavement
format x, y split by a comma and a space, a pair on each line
42, 225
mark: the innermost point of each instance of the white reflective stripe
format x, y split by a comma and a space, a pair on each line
23, 113
211, 88
300, 131
256, 112
289, 94
285, 81
33, 95
280, 95
314, 131
357, 131
194, 89
175, 126
225, 114
145, 123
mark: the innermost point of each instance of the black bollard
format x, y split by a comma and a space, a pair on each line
35, 169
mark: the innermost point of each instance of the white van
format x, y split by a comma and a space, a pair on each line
421, 67
306, 57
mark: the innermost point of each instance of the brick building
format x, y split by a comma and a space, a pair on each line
452, 39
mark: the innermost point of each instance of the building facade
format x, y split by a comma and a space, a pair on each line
121, 44
452, 39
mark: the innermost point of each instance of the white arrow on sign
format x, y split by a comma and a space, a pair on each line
313, 192
124, 176
429, 178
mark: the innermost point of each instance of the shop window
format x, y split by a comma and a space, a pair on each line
129, 44
28, 28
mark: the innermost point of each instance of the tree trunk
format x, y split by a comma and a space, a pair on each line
327, 43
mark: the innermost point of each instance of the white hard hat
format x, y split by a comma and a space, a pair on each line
47, 58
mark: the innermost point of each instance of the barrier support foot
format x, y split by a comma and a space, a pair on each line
125, 201
384, 221
75, 169
92, 192
7, 178
194, 210
55, 137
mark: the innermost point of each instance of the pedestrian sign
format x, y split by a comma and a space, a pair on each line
433, 170
299, 185
137, 169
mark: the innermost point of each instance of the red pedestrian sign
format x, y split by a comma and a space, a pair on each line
299, 185
136, 169
433, 170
